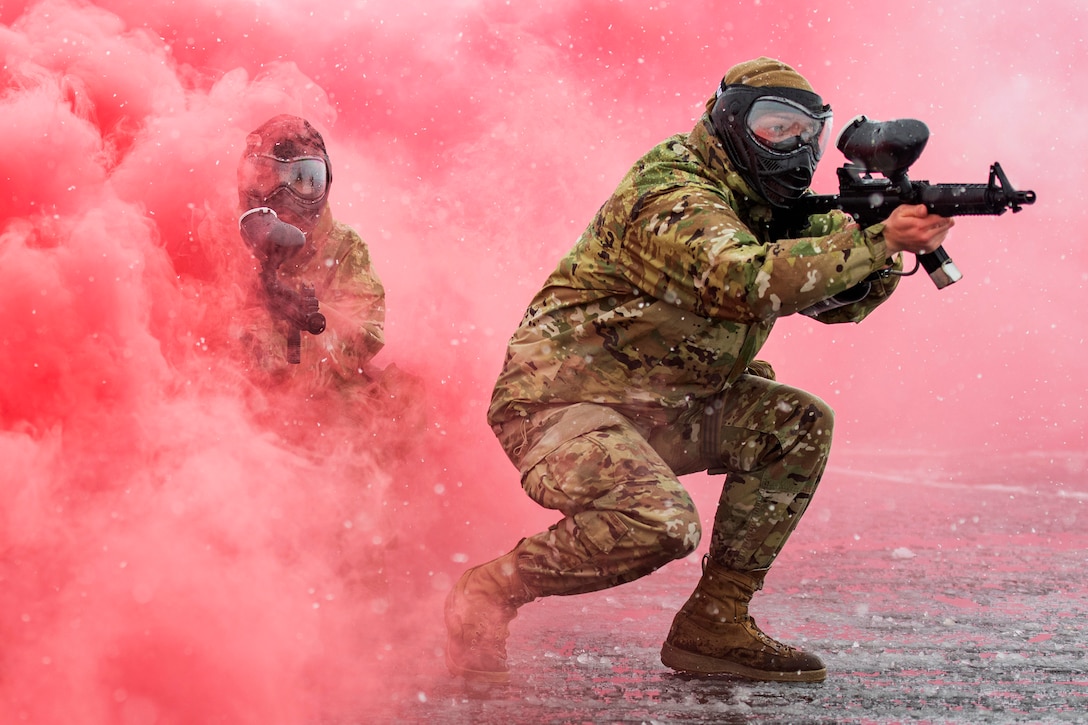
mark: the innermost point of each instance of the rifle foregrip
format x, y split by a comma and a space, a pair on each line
972, 199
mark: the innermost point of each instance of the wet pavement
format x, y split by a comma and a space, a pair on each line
931, 599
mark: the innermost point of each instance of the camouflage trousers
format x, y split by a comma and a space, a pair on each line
615, 479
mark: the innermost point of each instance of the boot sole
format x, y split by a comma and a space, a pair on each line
685, 661
488, 677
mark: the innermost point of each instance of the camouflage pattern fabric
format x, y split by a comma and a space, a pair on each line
772, 441
626, 512
675, 285
654, 316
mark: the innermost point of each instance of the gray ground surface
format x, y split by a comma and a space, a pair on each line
962, 601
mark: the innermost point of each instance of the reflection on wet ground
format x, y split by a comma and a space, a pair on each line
958, 602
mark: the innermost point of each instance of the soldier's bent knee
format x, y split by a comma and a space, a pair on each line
673, 534
646, 539
820, 418
800, 413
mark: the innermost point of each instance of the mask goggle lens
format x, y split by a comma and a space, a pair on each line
784, 126
307, 177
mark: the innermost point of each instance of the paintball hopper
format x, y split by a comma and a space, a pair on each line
886, 147
273, 240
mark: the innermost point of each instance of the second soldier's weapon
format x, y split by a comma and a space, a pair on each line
274, 241
889, 148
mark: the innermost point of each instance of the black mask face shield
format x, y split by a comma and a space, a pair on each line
774, 137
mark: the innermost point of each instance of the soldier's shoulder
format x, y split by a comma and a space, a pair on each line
346, 240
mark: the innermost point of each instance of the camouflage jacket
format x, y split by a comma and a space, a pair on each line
674, 286
351, 297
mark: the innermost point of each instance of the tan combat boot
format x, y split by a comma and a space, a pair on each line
478, 609
713, 634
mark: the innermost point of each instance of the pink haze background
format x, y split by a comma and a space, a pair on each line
168, 554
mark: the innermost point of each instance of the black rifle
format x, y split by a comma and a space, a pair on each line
274, 242
889, 148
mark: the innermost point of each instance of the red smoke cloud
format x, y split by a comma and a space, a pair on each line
177, 545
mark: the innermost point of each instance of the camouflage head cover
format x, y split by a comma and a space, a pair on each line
773, 126
766, 72
285, 167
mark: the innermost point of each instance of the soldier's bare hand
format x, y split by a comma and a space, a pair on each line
911, 228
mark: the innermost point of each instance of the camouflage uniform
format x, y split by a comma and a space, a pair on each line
635, 365
351, 296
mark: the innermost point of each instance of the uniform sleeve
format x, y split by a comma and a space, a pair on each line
866, 296
689, 247
353, 302
875, 294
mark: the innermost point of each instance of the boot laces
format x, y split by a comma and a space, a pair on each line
763, 637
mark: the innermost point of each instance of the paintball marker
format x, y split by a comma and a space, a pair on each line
274, 242
889, 148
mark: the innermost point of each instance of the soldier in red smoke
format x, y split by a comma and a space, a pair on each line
635, 364
327, 397
285, 168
